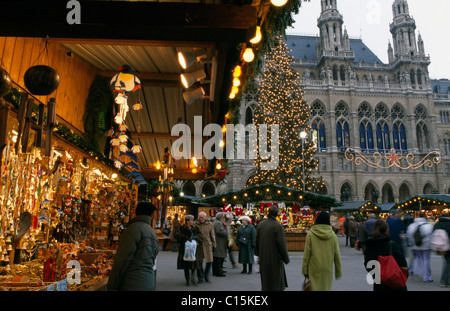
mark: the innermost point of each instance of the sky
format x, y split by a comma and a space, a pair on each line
370, 19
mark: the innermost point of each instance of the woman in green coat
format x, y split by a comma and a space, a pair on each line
321, 251
246, 241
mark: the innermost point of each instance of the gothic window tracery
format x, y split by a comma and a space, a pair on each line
318, 126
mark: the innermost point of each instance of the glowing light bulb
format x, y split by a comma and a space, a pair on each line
248, 55
258, 36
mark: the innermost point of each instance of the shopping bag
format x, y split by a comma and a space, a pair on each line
390, 272
256, 263
189, 250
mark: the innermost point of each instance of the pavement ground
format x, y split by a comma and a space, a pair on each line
354, 275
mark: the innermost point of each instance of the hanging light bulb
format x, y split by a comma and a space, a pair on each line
237, 71
248, 55
278, 2
258, 36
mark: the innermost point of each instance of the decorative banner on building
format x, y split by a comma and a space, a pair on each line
393, 158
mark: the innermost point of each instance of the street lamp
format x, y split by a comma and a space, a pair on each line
303, 136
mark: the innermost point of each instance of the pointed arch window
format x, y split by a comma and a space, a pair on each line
383, 137
366, 137
399, 135
343, 135
318, 127
422, 136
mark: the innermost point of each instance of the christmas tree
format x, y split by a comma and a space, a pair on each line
281, 102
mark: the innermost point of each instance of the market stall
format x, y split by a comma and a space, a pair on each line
297, 208
433, 204
62, 211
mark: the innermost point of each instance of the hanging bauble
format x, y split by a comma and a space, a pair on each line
41, 80
5, 82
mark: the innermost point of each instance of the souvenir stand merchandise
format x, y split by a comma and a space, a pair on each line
61, 218
296, 219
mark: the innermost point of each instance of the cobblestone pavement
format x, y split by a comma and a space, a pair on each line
353, 279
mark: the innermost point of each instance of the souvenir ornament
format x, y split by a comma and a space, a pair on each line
123, 138
115, 142
138, 106
125, 80
123, 148
136, 149
118, 164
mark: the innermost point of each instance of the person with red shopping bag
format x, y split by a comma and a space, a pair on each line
384, 261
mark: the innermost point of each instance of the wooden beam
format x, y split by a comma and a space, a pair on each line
151, 79
127, 42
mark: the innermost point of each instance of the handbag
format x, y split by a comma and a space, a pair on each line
390, 273
306, 285
243, 241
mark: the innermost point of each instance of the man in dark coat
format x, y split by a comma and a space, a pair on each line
272, 251
133, 267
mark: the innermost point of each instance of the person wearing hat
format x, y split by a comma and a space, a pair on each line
321, 252
246, 242
134, 262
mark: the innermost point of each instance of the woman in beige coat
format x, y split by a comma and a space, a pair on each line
206, 249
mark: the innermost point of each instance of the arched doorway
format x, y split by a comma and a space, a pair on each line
371, 193
346, 192
387, 194
189, 189
404, 193
208, 189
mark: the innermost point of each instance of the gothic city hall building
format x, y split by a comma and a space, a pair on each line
359, 102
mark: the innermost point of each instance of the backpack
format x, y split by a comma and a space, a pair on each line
440, 241
418, 237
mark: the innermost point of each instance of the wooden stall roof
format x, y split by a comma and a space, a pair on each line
425, 201
147, 36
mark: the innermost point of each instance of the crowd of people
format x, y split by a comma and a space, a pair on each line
264, 245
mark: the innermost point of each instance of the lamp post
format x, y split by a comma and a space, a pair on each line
303, 136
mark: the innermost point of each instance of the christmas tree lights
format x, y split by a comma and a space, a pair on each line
282, 103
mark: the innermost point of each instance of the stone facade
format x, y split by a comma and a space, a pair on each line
359, 102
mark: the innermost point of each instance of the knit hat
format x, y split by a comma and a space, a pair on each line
145, 208
323, 218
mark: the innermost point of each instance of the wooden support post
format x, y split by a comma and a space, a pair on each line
4, 121
39, 128
20, 118
27, 125
51, 119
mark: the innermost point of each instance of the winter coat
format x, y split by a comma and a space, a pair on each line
209, 240
184, 234
352, 228
272, 251
321, 251
133, 267
246, 251
426, 230
175, 227
221, 250
444, 223
380, 247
